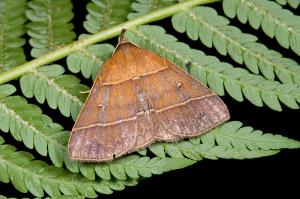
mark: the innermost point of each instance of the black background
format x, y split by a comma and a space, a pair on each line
269, 176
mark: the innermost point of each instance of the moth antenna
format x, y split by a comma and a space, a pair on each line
122, 37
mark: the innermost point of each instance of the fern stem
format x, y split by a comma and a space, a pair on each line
98, 37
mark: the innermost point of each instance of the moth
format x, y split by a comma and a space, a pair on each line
137, 99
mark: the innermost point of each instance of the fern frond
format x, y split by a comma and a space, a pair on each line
37, 130
37, 177
233, 135
12, 19
292, 3
98, 37
130, 166
230, 140
142, 7
135, 166
213, 30
27, 123
61, 91
106, 13
219, 76
268, 15
56, 197
50, 25
209, 151
89, 60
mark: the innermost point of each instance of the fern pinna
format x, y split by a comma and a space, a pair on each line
241, 66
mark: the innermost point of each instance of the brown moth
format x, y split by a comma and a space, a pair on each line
138, 98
